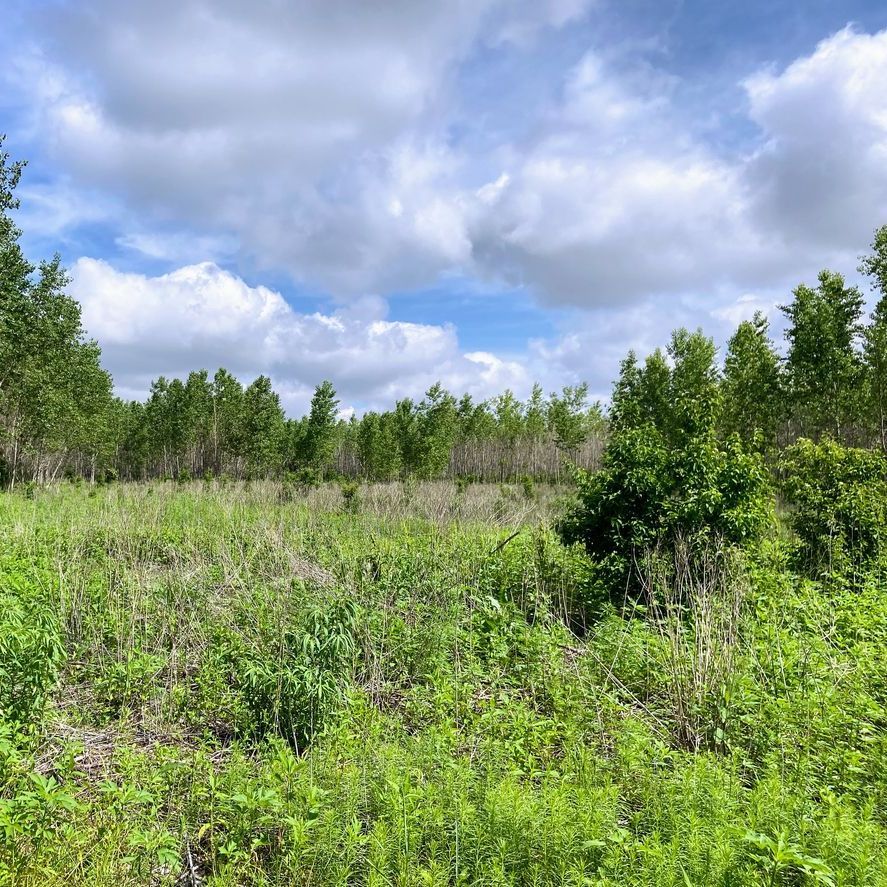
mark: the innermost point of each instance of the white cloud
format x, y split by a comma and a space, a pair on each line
202, 316
179, 247
319, 143
820, 178
744, 308
286, 136
314, 136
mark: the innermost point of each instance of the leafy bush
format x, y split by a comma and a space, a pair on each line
839, 505
529, 487
30, 647
128, 682
650, 493
291, 689
350, 496
667, 474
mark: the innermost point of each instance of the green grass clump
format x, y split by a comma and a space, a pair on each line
209, 684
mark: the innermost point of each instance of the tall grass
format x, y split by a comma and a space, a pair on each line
232, 684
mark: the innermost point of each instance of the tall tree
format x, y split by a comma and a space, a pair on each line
753, 404
654, 395
567, 417
321, 432
263, 426
509, 417
436, 431
53, 391
824, 365
534, 412
227, 432
874, 266
377, 446
694, 393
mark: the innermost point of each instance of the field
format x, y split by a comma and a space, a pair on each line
223, 684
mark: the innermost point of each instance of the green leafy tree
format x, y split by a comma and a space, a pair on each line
666, 474
377, 446
654, 394
320, 438
567, 417
874, 266
753, 390
227, 433
474, 420
694, 391
839, 507
626, 404
54, 395
825, 372
509, 417
435, 431
263, 426
534, 412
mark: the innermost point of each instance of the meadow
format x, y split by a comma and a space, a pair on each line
213, 683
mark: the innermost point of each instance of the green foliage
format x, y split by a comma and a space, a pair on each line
528, 486
666, 473
292, 689
128, 683
214, 684
839, 506
567, 417
779, 858
824, 368
350, 496
427, 431
753, 389
278, 693
54, 395
30, 645
874, 266
319, 434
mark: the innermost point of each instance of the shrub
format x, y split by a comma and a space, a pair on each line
128, 682
350, 496
305, 478
650, 493
292, 689
30, 647
529, 487
839, 505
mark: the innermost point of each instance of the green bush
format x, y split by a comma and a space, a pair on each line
350, 496
128, 682
30, 647
650, 493
838, 496
291, 689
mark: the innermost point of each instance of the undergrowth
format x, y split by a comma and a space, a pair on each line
204, 684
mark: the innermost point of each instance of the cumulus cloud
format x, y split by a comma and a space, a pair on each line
316, 136
820, 178
618, 200
203, 316
339, 146
319, 143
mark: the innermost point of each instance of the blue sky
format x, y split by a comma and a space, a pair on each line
488, 193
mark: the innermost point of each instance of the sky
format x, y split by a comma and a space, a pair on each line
482, 192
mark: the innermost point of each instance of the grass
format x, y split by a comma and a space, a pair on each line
229, 684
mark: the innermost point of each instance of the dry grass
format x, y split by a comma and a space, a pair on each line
695, 597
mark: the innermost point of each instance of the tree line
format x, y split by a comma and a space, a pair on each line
59, 416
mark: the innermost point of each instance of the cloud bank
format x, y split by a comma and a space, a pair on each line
342, 147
